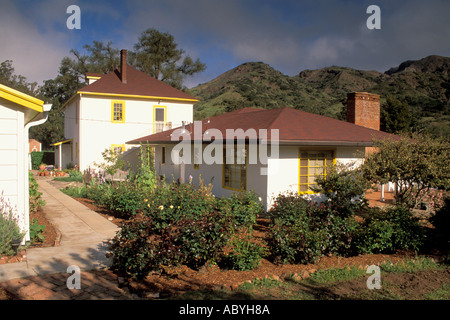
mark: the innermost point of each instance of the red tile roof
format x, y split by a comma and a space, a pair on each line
295, 127
138, 84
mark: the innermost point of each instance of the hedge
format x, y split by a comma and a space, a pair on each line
38, 157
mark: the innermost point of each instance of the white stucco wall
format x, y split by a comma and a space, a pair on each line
282, 174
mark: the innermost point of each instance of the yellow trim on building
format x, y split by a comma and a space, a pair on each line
308, 166
61, 142
113, 146
136, 96
154, 115
21, 98
122, 112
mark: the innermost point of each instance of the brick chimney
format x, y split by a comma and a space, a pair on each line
123, 66
363, 109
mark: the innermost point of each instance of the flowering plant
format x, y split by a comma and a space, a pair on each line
9, 226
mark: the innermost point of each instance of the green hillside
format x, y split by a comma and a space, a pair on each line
423, 84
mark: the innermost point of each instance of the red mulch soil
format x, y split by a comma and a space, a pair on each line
50, 233
182, 279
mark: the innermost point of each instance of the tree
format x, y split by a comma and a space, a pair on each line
100, 58
416, 165
57, 91
344, 186
18, 82
395, 116
158, 55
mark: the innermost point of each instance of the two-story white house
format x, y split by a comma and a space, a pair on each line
117, 107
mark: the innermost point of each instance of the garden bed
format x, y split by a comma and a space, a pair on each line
174, 282
51, 235
183, 280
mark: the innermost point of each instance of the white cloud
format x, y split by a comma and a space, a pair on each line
35, 53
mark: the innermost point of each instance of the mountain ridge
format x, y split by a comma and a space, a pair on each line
424, 84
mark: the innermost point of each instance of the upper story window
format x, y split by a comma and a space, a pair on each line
159, 118
118, 111
159, 114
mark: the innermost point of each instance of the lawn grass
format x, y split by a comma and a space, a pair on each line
322, 285
69, 179
440, 294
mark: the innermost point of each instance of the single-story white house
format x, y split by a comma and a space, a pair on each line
114, 108
267, 151
18, 112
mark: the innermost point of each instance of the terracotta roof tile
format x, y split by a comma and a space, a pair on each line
295, 126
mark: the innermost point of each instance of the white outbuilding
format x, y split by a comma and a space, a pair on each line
18, 113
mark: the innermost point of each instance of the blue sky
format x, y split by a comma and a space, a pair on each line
289, 35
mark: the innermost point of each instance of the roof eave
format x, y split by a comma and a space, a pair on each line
137, 96
21, 98
325, 143
281, 143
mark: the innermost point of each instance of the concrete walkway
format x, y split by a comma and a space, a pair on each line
84, 243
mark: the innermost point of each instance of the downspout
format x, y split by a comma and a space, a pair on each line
42, 117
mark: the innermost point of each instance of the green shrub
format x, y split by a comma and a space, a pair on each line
388, 230
169, 203
145, 176
139, 248
36, 231
340, 231
35, 196
200, 239
441, 219
441, 222
294, 234
344, 188
243, 255
243, 208
134, 252
125, 199
178, 225
302, 231
99, 193
38, 157
288, 207
9, 227
76, 175
75, 192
